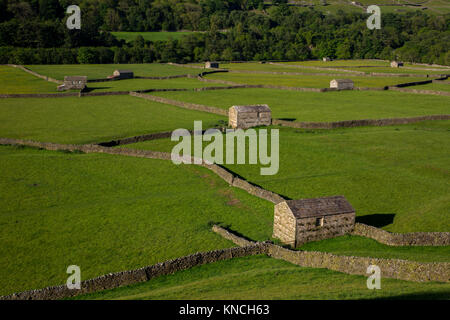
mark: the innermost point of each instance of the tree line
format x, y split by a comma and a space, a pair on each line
34, 31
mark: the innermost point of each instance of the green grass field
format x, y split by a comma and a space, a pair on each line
99, 71
92, 119
255, 66
151, 36
264, 278
322, 106
13, 80
109, 213
401, 70
400, 172
309, 81
144, 84
338, 63
364, 247
434, 86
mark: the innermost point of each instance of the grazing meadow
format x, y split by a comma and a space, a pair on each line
400, 171
322, 106
109, 213
92, 119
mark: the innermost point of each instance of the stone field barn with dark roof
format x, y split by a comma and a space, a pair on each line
244, 117
300, 221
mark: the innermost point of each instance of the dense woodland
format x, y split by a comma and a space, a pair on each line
34, 31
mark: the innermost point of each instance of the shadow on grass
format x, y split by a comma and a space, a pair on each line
90, 89
287, 119
377, 220
251, 183
228, 228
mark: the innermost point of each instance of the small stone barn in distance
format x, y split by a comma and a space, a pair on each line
243, 117
342, 84
123, 74
209, 65
73, 82
396, 64
326, 59
300, 221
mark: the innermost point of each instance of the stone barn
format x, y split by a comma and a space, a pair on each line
123, 74
73, 82
326, 59
243, 117
396, 64
209, 65
342, 84
300, 221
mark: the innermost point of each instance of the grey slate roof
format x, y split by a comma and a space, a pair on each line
305, 208
253, 108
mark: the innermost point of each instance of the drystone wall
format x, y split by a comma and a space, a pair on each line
240, 241
316, 68
357, 123
417, 83
371, 74
229, 177
402, 239
64, 95
145, 137
181, 104
432, 92
390, 268
40, 95
35, 73
118, 279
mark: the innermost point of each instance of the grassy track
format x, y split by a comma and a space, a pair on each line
92, 119
13, 80
322, 107
400, 172
109, 213
261, 277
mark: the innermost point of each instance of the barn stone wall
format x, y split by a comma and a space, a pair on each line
284, 224
333, 226
245, 120
341, 85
